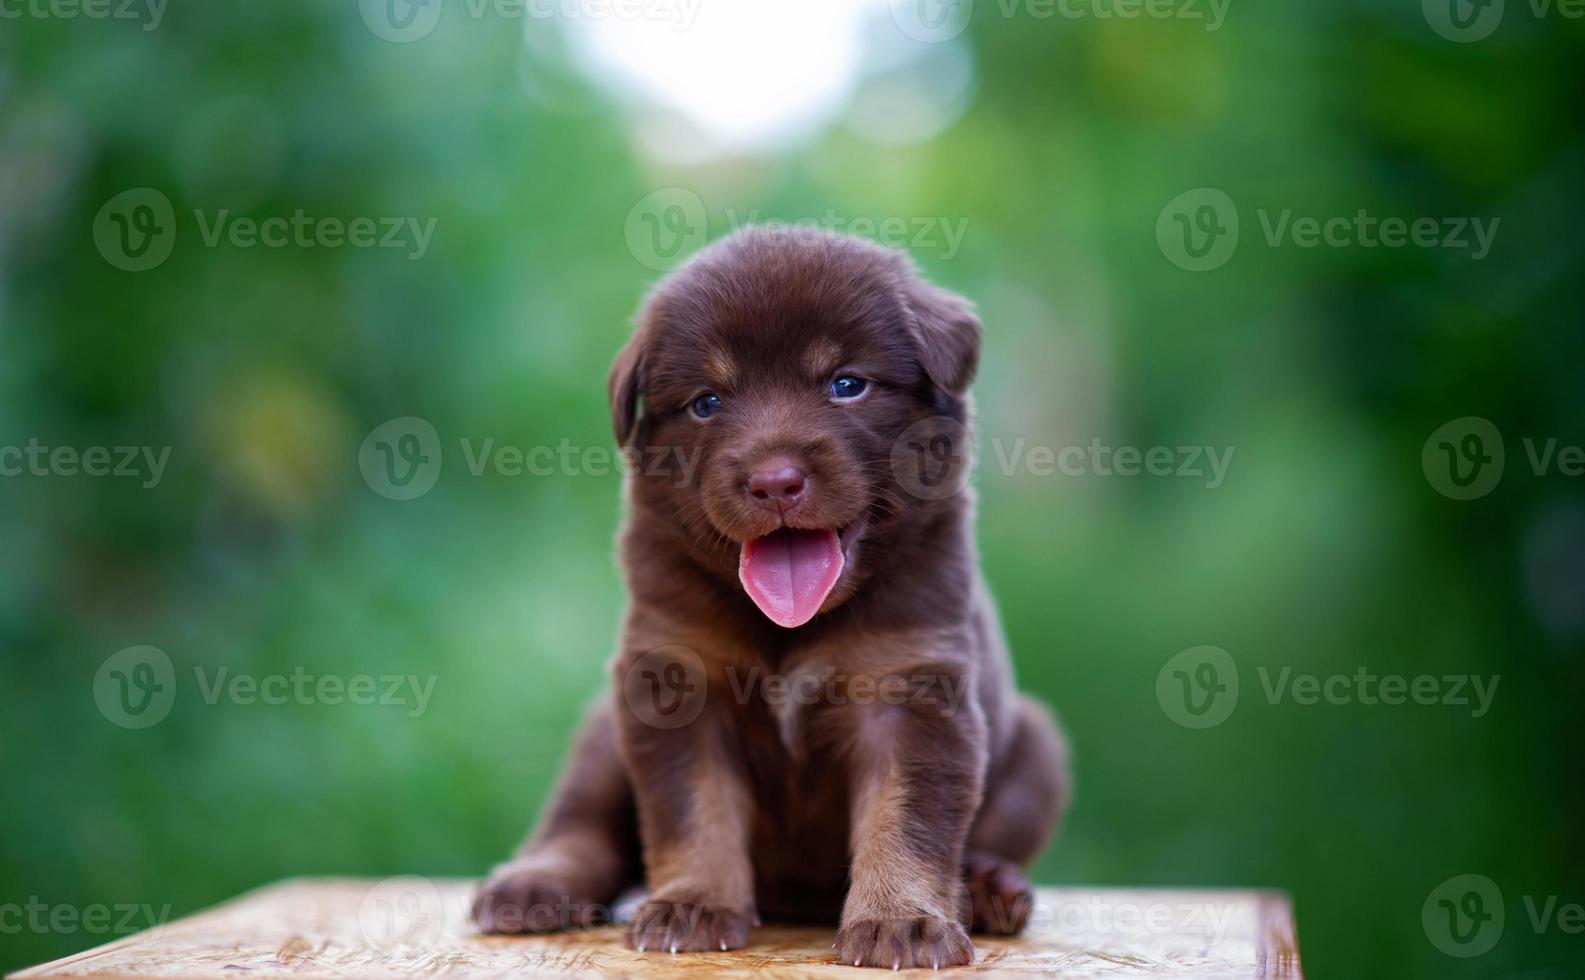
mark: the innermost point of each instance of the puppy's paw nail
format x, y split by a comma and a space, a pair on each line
686, 927
905, 943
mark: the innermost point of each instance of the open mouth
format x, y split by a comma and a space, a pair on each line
790, 572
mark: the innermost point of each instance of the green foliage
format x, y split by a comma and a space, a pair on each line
1324, 550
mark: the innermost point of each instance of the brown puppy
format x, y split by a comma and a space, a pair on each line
814, 714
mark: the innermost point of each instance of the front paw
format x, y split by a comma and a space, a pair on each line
1000, 896
895, 944
676, 927
527, 896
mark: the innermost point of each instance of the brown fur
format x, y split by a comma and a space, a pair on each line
903, 818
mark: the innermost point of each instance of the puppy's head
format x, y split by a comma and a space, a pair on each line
777, 372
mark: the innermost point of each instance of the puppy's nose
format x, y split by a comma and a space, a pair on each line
778, 484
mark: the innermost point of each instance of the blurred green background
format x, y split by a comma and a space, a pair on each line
537, 145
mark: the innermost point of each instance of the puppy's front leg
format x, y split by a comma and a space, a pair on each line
694, 808
917, 770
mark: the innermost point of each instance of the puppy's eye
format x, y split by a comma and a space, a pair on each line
848, 386
706, 405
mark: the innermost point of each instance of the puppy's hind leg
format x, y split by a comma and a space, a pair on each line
585, 851
1025, 795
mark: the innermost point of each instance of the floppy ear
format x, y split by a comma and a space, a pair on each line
624, 386
947, 333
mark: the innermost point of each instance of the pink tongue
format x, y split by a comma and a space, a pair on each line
790, 572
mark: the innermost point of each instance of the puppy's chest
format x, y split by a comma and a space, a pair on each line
791, 741
789, 707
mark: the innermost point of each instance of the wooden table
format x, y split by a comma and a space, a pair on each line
410, 926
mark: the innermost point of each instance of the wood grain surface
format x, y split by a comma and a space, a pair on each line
411, 926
